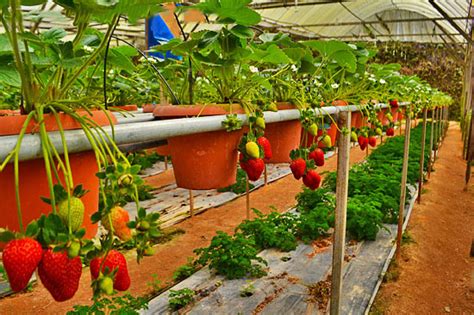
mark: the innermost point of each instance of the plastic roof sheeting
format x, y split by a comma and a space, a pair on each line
360, 19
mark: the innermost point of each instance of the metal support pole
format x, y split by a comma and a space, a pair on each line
406, 151
430, 161
344, 144
422, 155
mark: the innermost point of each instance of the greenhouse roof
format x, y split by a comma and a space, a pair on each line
405, 20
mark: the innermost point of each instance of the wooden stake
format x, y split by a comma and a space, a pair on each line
430, 161
166, 162
406, 150
422, 156
344, 144
265, 175
191, 203
436, 134
247, 196
367, 150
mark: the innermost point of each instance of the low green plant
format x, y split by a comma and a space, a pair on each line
232, 256
145, 160
184, 271
364, 220
274, 230
118, 305
247, 290
180, 298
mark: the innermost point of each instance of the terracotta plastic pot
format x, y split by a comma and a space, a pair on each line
128, 108
395, 113
381, 116
332, 133
148, 108
163, 150
356, 119
33, 181
205, 160
284, 136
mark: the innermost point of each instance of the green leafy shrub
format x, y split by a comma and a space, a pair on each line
232, 256
180, 298
364, 220
274, 230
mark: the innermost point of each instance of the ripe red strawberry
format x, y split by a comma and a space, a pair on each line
253, 167
394, 103
60, 274
317, 156
298, 167
243, 165
20, 259
114, 260
363, 141
390, 132
312, 179
372, 141
267, 147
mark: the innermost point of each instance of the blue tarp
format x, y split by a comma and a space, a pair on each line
159, 33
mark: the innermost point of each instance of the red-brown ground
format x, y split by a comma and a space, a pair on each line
435, 271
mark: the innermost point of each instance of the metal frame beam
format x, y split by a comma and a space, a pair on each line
286, 4
451, 21
368, 22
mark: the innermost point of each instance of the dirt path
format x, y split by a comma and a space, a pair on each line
168, 257
435, 272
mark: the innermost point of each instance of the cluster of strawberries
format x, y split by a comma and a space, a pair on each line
254, 148
60, 273
303, 165
252, 155
60, 267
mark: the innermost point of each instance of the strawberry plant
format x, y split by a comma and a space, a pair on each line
118, 305
184, 271
180, 298
232, 256
274, 230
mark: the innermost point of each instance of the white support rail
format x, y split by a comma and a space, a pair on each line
139, 128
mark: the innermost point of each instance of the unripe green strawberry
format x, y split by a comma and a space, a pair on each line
389, 117
125, 180
327, 141
114, 260
378, 131
74, 249
353, 136
252, 149
313, 129
272, 107
77, 212
149, 251
106, 285
143, 226
260, 122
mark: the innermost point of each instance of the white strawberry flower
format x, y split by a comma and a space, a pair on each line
253, 69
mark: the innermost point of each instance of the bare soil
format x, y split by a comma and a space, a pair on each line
434, 274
